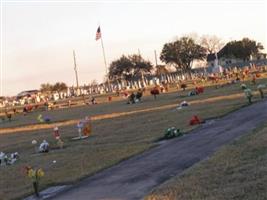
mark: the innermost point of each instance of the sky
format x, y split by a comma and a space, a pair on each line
38, 37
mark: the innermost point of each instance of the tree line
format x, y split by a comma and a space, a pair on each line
181, 54
57, 87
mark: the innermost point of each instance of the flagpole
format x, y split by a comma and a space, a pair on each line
76, 73
105, 61
104, 55
156, 57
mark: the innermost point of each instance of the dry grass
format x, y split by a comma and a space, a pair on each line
113, 115
237, 171
63, 115
113, 139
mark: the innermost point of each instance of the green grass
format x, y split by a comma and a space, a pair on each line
113, 140
237, 171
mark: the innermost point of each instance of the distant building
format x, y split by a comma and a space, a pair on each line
259, 56
226, 61
27, 93
211, 60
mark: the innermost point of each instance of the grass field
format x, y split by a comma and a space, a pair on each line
237, 171
113, 139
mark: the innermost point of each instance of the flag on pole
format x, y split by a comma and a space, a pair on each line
98, 34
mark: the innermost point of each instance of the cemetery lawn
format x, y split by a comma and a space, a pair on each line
112, 141
236, 171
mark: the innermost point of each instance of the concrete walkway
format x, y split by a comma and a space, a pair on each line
134, 178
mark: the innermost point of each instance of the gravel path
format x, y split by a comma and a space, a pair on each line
134, 178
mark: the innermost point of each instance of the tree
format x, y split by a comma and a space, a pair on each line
120, 69
181, 53
46, 88
139, 65
211, 43
161, 70
127, 67
59, 87
94, 83
241, 49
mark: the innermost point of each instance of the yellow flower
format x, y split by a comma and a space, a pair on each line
31, 173
40, 173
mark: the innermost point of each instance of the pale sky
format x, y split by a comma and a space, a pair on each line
38, 36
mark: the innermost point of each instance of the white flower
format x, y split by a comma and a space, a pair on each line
34, 142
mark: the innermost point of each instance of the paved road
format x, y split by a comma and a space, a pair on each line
134, 178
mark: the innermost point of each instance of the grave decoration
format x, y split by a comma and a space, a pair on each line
44, 147
248, 94
3, 119
183, 86
60, 143
172, 132
47, 119
155, 92
6, 159
42, 119
84, 129
260, 87
195, 120
192, 93
196, 91
35, 175
182, 105
87, 128
200, 90
243, 86
8, 116
35, 144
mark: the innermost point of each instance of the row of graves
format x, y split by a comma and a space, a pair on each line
196, 120
84, 129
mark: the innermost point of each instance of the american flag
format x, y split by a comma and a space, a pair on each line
98, 34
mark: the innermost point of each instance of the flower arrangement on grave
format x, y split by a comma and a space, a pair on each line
182, 105
6, 159
35, 175
199, 89
195, 120
42, 119
35, 144
260, 87
47, 119
172, 132
248, 94
243, 86
44, 147
154, 92
87, 126
60, 143
183, 86
192, 93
